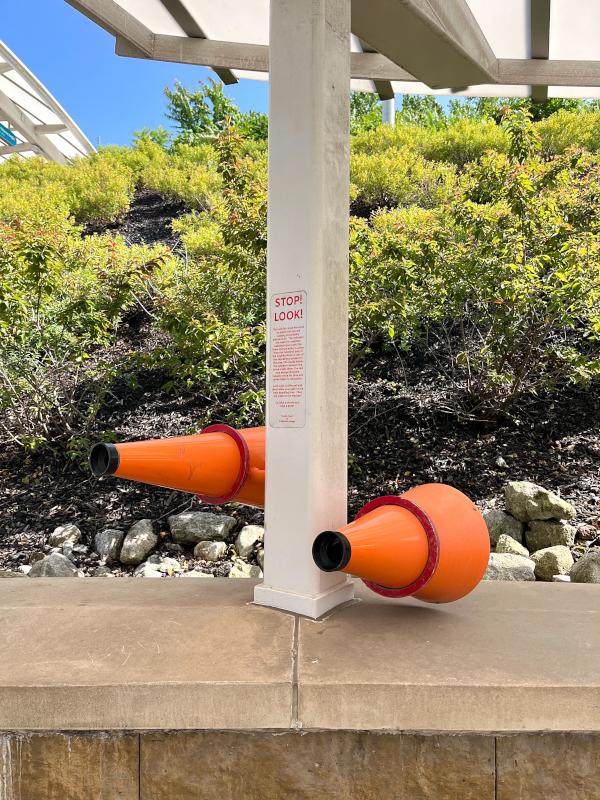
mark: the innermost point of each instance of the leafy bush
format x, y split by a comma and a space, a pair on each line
213, 301
399, 177
464, 140
567, 129
187, 173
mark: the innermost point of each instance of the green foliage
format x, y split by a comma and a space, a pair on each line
464, 140
566, 129
365, 112
399, 177
97, 188
187, 172
200, 115
422, 110
213, 300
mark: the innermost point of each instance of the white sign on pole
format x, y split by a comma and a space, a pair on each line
287, 362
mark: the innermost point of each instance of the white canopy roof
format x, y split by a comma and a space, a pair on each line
39, 123
548, 48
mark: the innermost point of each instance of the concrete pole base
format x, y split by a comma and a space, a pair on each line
312, 606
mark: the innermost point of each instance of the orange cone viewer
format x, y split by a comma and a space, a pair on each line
431, 542
220, 464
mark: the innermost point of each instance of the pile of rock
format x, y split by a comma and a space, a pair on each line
534, 539
197, 544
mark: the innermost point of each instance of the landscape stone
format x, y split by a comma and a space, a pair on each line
506, 544
509, 567
260, 558
247, 539
587, 569
241, 569
210, 551
541, 534
146, 570
196, 573
102, 572
164, 564
192, 527
499, 523
561, 579
108, 544
527, 501
64, 533
552, 561
54, 565
138, 543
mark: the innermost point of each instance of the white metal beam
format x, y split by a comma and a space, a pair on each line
437, 41
116, 20
540, 40
22, 147
367, 66
59, 127
307, 372
190, 26
249, 57
19, 120
548, 73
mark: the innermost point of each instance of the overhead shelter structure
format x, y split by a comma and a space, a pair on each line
312, 51
34, 122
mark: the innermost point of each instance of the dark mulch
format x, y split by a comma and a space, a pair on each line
402, 432
148, 220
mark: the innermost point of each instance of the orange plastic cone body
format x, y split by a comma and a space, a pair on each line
431, 542
220, 464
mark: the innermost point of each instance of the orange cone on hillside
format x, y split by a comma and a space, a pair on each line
220, 464
431, 542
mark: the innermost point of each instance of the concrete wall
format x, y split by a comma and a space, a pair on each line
332, 765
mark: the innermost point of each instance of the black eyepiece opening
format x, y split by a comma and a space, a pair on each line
104, 459
331, 551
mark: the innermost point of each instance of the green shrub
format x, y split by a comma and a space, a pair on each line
399, 177
566, 129
385, 137
464, 140
187, 173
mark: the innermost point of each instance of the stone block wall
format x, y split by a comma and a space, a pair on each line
334, 765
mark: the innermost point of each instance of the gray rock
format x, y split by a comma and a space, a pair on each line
108, 544
54, 565
64, 533
146, 570
8, 573
25, 569
587, 533
102, 572
527, 501
541, 534
552, 561
587, 569
164, 564
139, 542
499, 523
506, 544
561, 579
210, 551
37, 555
192, 527
247, 539
260, 558
241, 569
509, 567
196, 573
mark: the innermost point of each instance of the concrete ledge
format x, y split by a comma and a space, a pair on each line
112, 654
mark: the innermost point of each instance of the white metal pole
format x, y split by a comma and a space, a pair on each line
388, 111
307, 287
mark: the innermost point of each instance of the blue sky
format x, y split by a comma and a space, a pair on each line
109, 97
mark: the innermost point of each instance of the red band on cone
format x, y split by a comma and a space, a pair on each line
432, 540
244, 464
